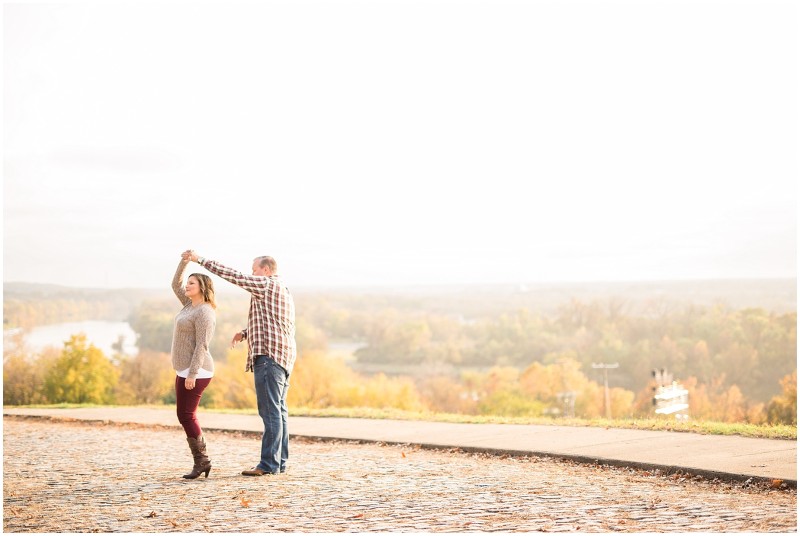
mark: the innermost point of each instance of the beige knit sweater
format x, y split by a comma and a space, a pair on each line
194, 327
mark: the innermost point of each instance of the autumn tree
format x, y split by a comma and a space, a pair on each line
383, 392
81, 374
405, 341
320, 381
783, 408
147, 378
547, 382
23, 376
232, 387
511, 403
447, 395
309, 337
153, 323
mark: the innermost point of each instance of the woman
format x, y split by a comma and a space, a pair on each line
194, 327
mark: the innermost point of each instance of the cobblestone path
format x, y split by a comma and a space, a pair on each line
82, 477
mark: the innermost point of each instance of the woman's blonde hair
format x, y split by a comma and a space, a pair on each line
207, 288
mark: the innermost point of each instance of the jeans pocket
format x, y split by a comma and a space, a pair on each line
277, 372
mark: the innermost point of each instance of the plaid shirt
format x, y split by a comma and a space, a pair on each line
270, 322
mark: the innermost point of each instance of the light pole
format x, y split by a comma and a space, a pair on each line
605, 367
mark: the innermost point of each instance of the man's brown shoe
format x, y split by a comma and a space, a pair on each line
255, 471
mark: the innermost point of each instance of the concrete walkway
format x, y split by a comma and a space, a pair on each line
726, 457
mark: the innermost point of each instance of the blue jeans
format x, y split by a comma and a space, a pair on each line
272, 385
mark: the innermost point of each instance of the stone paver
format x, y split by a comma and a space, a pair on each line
80, 477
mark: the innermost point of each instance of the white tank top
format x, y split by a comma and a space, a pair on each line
201, 374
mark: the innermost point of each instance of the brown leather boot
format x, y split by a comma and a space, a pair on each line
202, 464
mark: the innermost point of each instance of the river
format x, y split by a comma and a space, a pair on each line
103, 334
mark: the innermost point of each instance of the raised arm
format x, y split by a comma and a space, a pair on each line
255, 284
177, 283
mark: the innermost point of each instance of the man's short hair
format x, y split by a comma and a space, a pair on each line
269, 262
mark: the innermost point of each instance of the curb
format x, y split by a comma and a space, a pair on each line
584, 460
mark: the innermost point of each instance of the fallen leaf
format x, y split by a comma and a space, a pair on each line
776, 483
151, 514
172, 522
404, 454
245, 502
357, 516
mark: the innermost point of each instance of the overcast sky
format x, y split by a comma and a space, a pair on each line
401, 142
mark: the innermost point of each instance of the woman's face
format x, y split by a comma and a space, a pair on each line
192, 287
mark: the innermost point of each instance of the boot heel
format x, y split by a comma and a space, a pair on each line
201, 462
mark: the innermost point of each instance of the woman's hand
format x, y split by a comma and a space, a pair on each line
189, 383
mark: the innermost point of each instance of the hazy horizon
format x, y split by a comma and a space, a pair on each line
390, 144
223, 286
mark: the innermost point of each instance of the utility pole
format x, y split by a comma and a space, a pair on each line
605, 367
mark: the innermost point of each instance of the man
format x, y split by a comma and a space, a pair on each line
271, 352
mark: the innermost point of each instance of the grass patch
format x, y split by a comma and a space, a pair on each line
765, 431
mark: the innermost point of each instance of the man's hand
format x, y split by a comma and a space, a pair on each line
236, 338
190, 255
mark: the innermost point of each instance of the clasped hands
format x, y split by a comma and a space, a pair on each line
190, 255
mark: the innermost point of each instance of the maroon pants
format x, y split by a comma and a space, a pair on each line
187, 402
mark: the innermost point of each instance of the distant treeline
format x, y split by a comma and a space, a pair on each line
750, 348
735, 360
28, 305
80, 373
